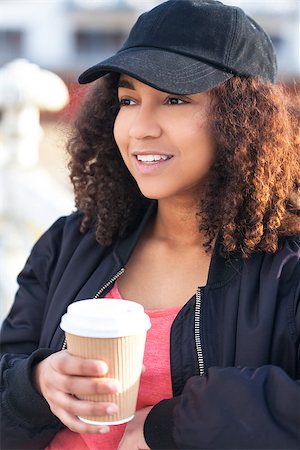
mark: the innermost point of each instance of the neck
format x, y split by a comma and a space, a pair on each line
176, 221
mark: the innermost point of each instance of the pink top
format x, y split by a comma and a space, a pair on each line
155, 384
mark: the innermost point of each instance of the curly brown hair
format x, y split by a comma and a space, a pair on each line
254, 176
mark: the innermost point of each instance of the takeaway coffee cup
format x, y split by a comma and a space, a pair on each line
114, 331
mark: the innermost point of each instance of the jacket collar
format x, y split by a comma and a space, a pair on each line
221, 269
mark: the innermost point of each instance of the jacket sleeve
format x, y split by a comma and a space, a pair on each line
229, 408
233, 407
26, 419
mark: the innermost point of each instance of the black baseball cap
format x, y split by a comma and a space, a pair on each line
190, 46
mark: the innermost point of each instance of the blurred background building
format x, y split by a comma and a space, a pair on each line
65, 37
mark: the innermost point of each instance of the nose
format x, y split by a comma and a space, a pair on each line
145, 124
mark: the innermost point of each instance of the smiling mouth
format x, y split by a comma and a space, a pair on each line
153, 159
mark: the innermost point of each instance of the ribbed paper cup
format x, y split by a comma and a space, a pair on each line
125, 325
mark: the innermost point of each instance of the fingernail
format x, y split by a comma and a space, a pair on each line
102, 366
112, 409
104, 430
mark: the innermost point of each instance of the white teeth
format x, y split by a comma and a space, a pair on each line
152, 158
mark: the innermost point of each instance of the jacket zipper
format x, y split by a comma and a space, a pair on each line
197, 320
112, 280
198, 333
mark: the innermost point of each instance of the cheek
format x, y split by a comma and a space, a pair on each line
119, 132
201, 140
199, 129
200, 119
202, 129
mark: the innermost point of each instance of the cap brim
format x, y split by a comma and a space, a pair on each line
163, 70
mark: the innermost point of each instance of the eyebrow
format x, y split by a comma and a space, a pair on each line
126, 84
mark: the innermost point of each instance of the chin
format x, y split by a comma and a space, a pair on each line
153, 189
154, 193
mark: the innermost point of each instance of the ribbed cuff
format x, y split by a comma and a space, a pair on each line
22, 398
158, 427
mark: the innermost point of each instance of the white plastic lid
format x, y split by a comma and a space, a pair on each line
105, 318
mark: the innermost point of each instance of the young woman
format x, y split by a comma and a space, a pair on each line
185, 167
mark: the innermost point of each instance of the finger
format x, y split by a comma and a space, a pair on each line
79, 407
76, 425
69, 364
89, 386
64, 403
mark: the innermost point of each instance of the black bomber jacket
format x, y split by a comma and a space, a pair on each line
235, 345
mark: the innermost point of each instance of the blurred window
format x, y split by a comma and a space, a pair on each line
11, 45
89, 42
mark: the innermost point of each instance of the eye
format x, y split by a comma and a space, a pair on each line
175, 101
126, 102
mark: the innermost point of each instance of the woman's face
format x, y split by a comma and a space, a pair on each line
163, 139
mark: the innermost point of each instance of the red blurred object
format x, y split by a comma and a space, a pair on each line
77, 93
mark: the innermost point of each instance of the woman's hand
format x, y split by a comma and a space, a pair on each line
61, 377
133, 438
